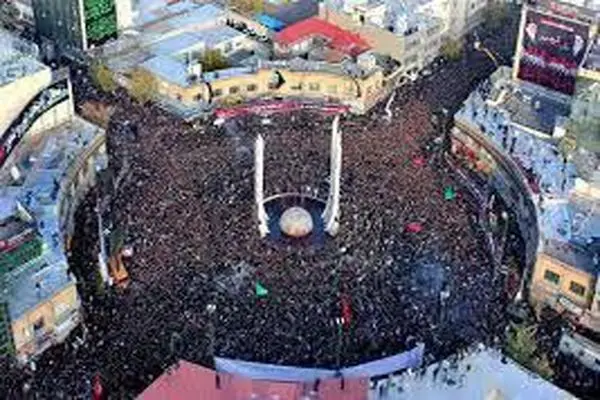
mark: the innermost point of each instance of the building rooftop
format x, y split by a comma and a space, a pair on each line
294, 11
186, 16
198, 15
481, 374
178, 44
338, 38
185, 380
149, 11
18, 58
575, 256
169, 69
48, 161
534, 108
42, 278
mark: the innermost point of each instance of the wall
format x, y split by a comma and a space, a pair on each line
505, 176
17, 94
57, 115
360, 94
543, 290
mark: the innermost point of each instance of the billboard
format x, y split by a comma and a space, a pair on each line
552, 48
100, 20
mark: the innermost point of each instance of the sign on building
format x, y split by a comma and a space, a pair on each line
552, 49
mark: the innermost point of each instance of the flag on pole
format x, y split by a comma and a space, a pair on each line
98, 390
260, 290
449, 193
346, 311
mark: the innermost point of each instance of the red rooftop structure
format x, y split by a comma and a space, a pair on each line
188, 381
300, 36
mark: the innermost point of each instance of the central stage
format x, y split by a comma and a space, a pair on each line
295, 206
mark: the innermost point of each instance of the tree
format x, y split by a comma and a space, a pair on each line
258, 6
581, 133
142, 85
496, 15
103, 77
521, 345
213, 60
452, 49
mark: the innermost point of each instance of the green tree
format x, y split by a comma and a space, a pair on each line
258, 6
496, 15
213, 60
452, 49
103, 77
142, 85
521, 345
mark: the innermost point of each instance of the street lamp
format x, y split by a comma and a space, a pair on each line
339, 321
479, 47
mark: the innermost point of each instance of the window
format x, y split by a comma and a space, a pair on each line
314, 87
198, 97
38, 325
217, 92
552, 277
577, 288
296, 87
227, 48
251, 87
234, 90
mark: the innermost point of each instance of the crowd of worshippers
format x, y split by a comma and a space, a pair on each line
407, 265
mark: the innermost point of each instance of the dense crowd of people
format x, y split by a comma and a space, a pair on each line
408, 264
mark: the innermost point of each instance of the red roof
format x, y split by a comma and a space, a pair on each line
185, 381
340, 39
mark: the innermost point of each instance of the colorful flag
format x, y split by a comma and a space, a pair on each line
98, 390
260, 290
449, 193
418, 161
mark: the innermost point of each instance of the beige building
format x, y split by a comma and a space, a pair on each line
46, 311
305, 80
564, 278
413, 36
49, 160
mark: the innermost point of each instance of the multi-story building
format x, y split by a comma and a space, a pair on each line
49, 159
171, 50
412, 32
74, 26
522, 121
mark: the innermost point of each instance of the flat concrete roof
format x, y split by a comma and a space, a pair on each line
17, 58
535, 109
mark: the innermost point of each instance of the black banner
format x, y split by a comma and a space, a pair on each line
552, 50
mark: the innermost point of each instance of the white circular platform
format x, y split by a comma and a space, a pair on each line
296, 222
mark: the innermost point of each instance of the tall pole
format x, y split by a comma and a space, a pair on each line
210, 310
259, 150
332, 209
102, 255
